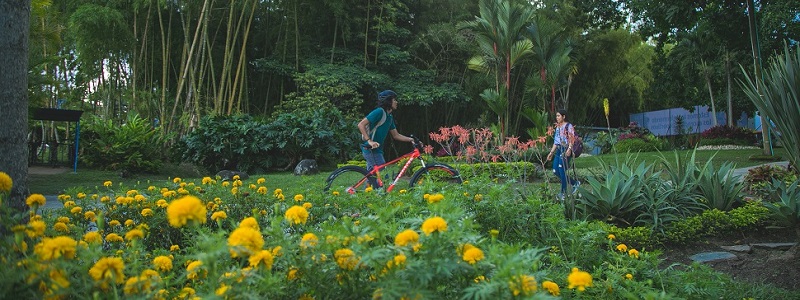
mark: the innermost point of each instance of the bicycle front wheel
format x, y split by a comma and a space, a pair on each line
349, 180
436, 173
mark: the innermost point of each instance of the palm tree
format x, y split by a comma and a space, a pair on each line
499, 32
551, 50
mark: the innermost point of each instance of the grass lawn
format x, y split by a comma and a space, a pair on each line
53, 184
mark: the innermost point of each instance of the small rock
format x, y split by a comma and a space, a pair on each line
712, 256
227, 175
738, 248
306, 167
775, 246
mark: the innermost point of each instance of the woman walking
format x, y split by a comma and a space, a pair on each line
562, 153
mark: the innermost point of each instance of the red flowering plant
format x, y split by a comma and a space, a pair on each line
478, 150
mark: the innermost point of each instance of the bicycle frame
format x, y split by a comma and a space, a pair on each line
416, 154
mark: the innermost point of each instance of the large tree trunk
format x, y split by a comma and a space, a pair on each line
14, 18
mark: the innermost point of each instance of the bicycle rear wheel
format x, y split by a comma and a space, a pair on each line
436, 173
349, 180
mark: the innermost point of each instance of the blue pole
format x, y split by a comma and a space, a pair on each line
77, 139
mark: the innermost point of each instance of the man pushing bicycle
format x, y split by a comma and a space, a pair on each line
376, 125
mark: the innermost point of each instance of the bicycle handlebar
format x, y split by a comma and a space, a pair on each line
416, 142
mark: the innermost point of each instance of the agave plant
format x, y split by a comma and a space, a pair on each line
720, 187
617, 199
786, 206
777, 96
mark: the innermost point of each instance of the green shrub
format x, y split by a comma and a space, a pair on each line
785, 210
636, 145
130, 147
758, 179
635, 236
715, 221
229, 142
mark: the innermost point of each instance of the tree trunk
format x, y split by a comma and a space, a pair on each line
14, 18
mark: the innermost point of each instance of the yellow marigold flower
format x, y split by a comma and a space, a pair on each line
296, 215
397, 261
309, 240
435, 198
132, 193
81, 195
139, 198
113, 237
368, 189
308, 205
162, 203
277, 251
186, 293
5, 183
226, 183
292, 274
234, 190
406, 237
261, 180
335, 193
35, 200
346, 259
479, 279
298, 197
611, 237
472, 255
93, 237
237, 183
206, 180
176, 180
162, 263
76, 210
193, 269
263, 257
90, 215
107, 183
629, 276
551, 287
622, 248
35, 228
523, 285
263, 212
252, 186
633, 253
134, 234
245, 241
262, 190
280, 197
147, 212
69, 204
219, 215
95, 196
182, 191
249, 222
434, 224
478, 198
114, 223
108, 269
223, 288
579, 279
105, 199
403, 191
236, 177
63, 220
186, 209
61, 227
129, 223
174, 248
53, 248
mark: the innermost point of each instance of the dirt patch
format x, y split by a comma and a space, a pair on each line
771, 266
43, 170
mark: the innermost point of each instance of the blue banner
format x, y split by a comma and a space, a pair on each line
662, 122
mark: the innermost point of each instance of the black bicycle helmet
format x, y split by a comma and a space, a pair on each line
385, 97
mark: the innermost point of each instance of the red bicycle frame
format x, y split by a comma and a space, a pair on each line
376, 169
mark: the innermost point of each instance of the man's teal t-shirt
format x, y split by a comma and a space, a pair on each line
382, 131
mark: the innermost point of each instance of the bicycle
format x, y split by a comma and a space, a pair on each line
352, 178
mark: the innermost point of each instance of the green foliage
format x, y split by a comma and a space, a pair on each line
637, 236
784, 205
721, 134
229, 142
719, 186
776, 96
322, 133
758, 179
715, 221
617, 199
638, 145
131, 147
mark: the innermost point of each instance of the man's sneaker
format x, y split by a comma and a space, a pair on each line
575, 187
560, 197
